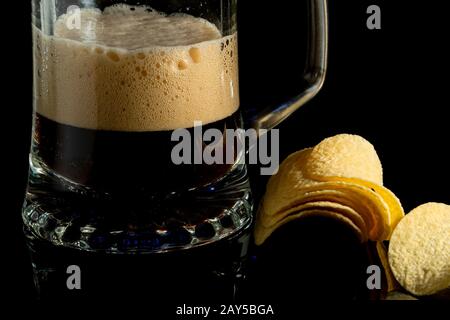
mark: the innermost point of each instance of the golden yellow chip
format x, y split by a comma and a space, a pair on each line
330, 196
419, 251
287, 188
266, 219
262, 234
340, 209
392, 284
352, 159
396, 212
369, 205
345, 156
288, 183
399, 296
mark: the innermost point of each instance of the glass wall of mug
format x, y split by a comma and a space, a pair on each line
123, 92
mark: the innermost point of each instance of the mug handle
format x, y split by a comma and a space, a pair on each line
314, 74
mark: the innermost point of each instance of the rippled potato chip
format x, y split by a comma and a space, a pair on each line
392, 284
262, 233
339, 209
419, 250
396, 212
289, 186
352, 159
329, 196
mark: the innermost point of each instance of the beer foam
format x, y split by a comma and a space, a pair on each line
134, 69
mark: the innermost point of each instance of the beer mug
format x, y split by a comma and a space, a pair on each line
134, 102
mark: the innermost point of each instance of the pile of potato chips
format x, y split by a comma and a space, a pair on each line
340, 178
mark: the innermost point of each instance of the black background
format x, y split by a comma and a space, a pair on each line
388, 85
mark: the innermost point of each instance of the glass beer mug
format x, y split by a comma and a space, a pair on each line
117, 84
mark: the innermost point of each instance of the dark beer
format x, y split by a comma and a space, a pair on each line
117, 161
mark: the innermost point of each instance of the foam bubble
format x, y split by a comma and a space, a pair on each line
182, 65
195, 54
137, 70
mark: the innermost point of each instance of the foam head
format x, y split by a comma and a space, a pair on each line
135, 70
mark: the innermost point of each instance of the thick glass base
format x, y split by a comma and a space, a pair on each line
73, 216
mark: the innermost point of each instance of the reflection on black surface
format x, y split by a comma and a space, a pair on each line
314, 259
209, 274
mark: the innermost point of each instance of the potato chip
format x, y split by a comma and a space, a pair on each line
267, 220
330, 196
352, 159
290, 185
262, 234
392, 284
343, 210
399, 296
345, 156
419, 251
396, 212
370, 205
